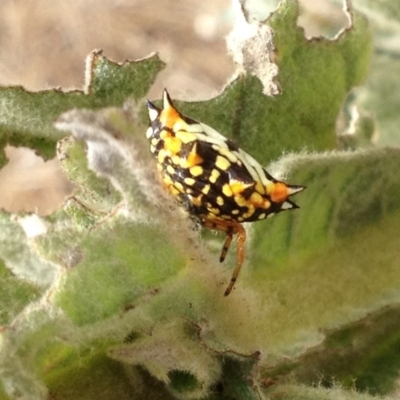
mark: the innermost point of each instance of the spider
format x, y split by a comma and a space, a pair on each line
219, 184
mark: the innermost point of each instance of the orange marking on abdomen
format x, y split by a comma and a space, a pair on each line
280, 192
193, 158
169, 116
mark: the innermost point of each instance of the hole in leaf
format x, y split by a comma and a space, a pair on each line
324, 18
30, 184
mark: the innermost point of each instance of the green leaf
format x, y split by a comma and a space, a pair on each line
15, 295
136, 308
302, 392
23, 276
26, 118
361, 355
124, 268
315, 77
335, 259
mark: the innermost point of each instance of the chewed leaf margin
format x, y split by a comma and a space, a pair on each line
26, 118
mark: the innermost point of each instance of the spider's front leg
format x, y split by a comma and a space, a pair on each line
227, 243
230, 228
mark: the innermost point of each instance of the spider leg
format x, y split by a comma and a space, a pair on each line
240, 250
230, 228
227, 243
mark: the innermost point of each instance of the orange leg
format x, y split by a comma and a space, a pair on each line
230, 228
227, 243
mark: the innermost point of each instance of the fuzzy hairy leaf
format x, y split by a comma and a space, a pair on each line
26, 118
135, 305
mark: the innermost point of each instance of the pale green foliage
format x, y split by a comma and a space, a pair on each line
133, 306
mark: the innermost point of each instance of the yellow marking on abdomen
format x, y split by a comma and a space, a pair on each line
256, 199
220, 200
260, 188
228, 154
266, 204
196, 171
269, 187
214, 175
179, 186
185, 137
189, 181
226, 190
222, 163
176, 160
206, 189
238, 187
171, 169
161, 156
172, 144
213, 210
173, 190
240, 200
249, 212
